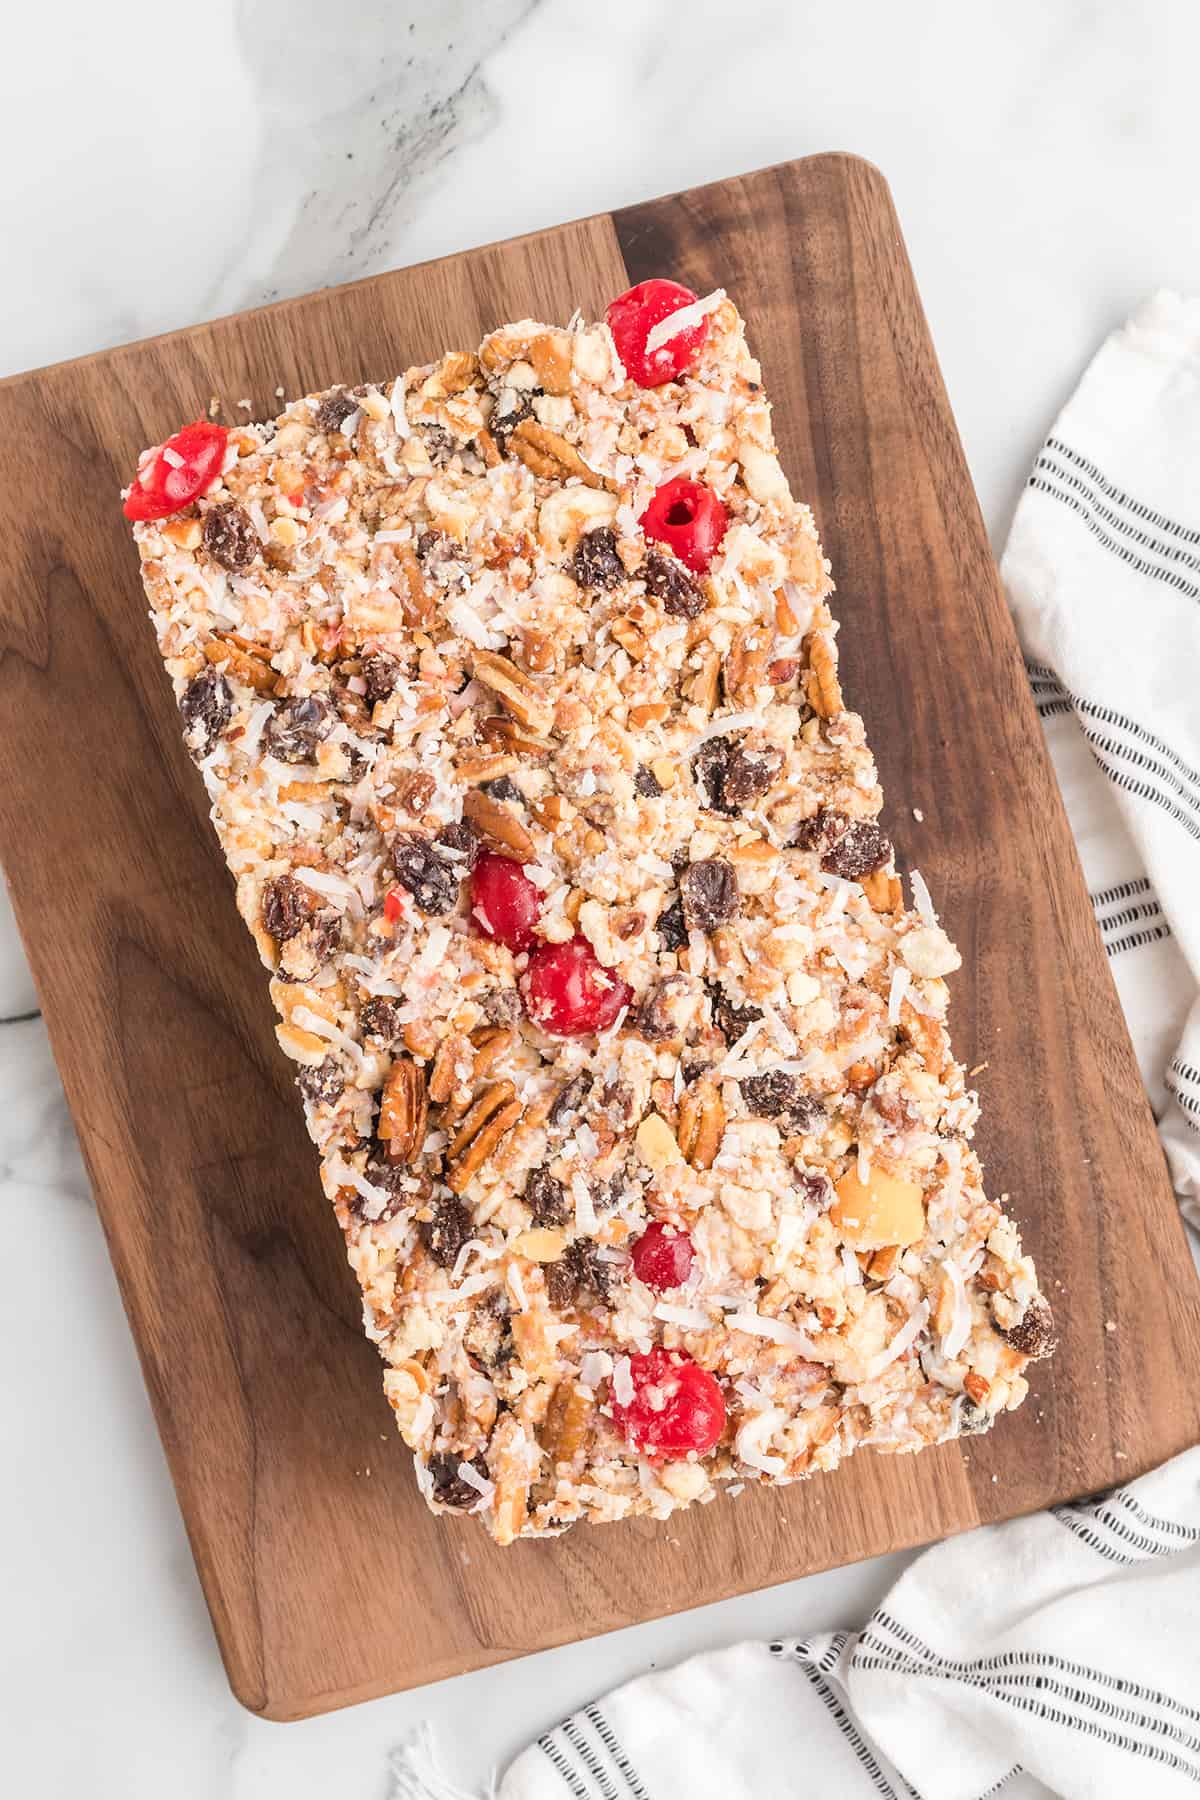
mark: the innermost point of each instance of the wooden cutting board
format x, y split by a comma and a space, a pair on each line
327, 1580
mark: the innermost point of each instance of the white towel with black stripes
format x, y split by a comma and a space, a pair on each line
1058, 1654
1103, 573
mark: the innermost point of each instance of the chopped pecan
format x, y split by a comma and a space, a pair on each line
821, 681
452, 1051
516, 692
251, 670
494, 1114
498, 826
567, 1426
548, 454
701, 1123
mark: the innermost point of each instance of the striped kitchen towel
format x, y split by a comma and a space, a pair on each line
1103, 573
1054, 1655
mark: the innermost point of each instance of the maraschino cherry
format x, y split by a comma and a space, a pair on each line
634, 314
171, 477
677, 1406
688, 518
569, 992
505, 904
662, 1257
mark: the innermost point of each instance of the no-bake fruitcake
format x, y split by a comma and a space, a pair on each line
514, 687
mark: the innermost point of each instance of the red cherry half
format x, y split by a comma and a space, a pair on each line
569, 992
505, 904
634, 314
177, 472
677, 1406
662, 1257
688, 518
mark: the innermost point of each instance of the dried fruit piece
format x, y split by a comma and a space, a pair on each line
775, 1095
505, 904
206, 707
689, 519
860, 850
669, 582
569, 992
633, 315
1033, 1334
662, 1257
677, 1406
297, 727
886, 1209
178, 472
445, 1233
595, 563
431, 877
732, 777
380, 673
449, 1487
334, 409
547, 1199
229, 536
709, 890
322, 1086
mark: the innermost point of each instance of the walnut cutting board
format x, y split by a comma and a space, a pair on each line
327, 1580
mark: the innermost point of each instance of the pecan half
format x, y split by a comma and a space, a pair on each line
498, 826
821, 681
494, 1114
442, 1080
701, 1123
403, 1109
548, 454
516, 692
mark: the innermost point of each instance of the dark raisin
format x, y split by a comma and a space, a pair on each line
732, 777
817, 1189
654, 1019
561, 1284
432, 880
595, 563
518, 406
445, 1234
671, 926
820, 830
449, 1488
1033, 1334
709, 891
669, 582
439, 443
287, 907
646, 783
730, 1019
297, 726
323, 1085
501, 1006
568, 1102
381, 673
973, 1421
206, 707
779, 1096
459, 843
860, 850
503, 788
334, 410
547, 1199
229, 536
380, 1018
311, 947
431, 547
693, 1071
577, 1272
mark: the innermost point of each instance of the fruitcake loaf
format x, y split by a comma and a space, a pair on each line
514, 687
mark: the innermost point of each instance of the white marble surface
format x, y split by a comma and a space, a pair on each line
1043, 160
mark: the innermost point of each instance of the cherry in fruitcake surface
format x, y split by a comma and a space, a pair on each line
178, 472
505, 904
689, 519
677, 1406
569, 992
633, 315
662, 1257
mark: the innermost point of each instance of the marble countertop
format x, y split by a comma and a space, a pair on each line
1042, 159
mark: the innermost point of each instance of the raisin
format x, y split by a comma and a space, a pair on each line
439, 443
595, 563
432, 880
449, 1488
577, 1271
296, 728
732, 777
229, 536
334, 410
817, 1189
779, 1096
445, 1234
380, 1018
519, 406
503, 788
569, 1101
973, 1421
547, 1199
322, 1086
287, 907
671, 926
667, 581
709, 891
1033, 1334
646, 783
501, 1006
432, 547
459, 843
206, 706
819, 830
560, 1284
653, 1019
860, 850
381, 673
730, 1019
487, 1337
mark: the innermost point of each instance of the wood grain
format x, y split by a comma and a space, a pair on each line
327, 1580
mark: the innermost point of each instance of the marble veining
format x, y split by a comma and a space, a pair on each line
1042, 161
